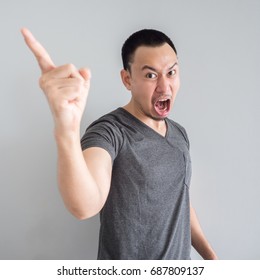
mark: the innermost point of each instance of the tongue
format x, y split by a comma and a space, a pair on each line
160, 105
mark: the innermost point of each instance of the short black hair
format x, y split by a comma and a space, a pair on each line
144, 37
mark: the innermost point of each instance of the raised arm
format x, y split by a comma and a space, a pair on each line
84, 178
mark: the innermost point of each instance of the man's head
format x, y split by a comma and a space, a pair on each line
151, 73
144, 37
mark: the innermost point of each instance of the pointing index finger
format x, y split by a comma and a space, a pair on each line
45, 62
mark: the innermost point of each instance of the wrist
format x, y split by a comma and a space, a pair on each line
70, 136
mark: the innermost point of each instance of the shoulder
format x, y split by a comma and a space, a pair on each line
105, 133
110, 119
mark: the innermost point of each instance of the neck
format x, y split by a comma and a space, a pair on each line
158, 125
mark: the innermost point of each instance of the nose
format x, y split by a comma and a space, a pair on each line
162, 84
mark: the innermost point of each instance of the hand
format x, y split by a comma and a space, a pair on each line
65, 87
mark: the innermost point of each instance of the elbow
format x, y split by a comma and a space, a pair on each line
80, 216
83, 215
84, 211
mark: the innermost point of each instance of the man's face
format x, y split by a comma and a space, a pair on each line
154, 80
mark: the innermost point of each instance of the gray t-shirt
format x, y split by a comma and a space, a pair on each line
146, 215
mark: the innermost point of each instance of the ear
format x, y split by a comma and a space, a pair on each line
126, 78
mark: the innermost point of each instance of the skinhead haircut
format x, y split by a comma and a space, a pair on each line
144, 37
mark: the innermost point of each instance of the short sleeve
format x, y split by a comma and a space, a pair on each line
103, 134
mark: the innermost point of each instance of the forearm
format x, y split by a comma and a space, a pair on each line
199, 241
77, 185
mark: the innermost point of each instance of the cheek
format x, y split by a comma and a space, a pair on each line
143, 90
176, 85
178, 81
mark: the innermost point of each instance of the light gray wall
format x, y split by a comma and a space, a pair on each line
218, 104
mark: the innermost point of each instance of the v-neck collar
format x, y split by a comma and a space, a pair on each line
146, 129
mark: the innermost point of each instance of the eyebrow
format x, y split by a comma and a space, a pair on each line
153, 69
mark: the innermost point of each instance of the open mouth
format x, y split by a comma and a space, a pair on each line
162, 106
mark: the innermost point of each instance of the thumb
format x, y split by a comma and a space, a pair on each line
85, 73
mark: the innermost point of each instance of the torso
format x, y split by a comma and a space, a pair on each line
146, 215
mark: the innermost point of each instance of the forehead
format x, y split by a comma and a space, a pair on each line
158, 57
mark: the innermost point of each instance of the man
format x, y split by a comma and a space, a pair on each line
135, 166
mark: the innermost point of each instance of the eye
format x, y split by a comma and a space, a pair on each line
150, 75
172, 72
